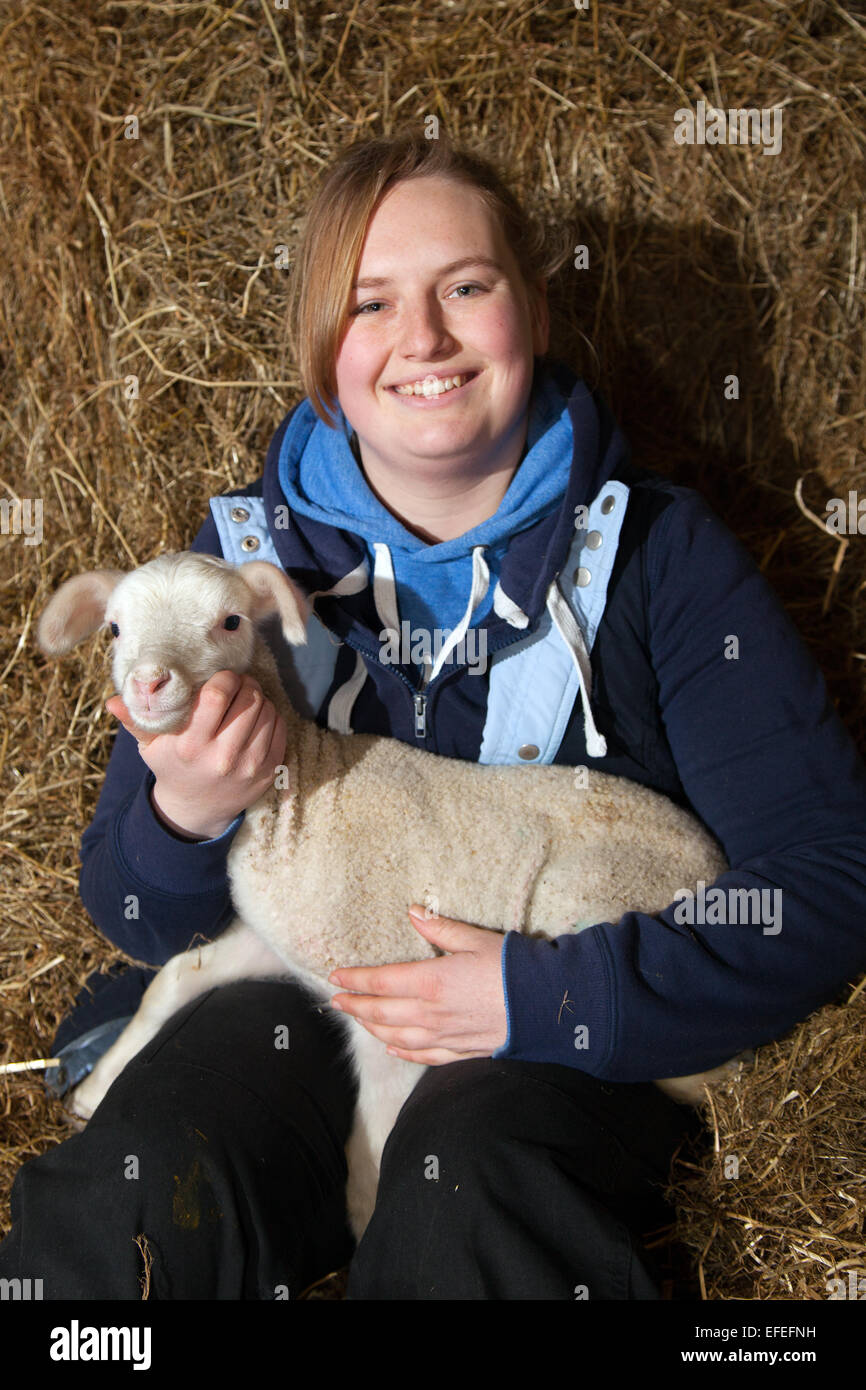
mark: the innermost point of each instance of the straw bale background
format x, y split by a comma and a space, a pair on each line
155, 256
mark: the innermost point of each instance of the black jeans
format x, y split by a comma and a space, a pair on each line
214, 1169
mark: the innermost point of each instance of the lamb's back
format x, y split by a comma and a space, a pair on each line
327, 876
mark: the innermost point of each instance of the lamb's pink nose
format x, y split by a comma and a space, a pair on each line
145, 688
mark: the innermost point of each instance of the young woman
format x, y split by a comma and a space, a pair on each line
444, 474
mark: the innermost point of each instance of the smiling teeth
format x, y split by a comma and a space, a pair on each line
432, 385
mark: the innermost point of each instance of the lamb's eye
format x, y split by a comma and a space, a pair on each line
114, 629
232, 622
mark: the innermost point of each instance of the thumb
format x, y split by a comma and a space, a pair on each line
117, 707
444, 932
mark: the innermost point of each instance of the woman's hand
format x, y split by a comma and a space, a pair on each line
433, 1011
220, 763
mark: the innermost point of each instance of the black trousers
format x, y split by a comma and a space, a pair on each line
214, 1169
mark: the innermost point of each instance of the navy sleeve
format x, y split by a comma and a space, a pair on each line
769, 767
150, 892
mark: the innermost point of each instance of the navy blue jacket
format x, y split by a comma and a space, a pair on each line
741, 732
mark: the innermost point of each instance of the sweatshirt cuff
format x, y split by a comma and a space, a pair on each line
558, 1000
164, 861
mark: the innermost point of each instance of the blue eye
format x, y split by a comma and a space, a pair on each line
114, 629
231, 623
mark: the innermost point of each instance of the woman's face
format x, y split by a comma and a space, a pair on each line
427, 319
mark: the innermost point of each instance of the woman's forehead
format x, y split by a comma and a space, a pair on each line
439, 222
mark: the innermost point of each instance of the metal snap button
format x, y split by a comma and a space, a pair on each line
593, 540
582, 577
608, 505
250, 543
528, 752
239, 514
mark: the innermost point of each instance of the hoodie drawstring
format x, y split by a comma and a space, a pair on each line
569, 629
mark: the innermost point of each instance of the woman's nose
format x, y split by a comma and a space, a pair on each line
423, 329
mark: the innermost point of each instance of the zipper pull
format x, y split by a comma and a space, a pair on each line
420, 703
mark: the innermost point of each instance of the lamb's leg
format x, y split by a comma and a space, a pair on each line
689, 1090
236, 955
384, 1083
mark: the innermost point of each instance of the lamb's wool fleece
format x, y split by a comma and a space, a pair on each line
368, 825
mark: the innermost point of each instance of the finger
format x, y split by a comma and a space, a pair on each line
412, 979
405, 1028
262, 741
117, 707
384, 1013
245, 735
411, 1039
432, 1057
227, 720
213, 702
277, 746
446, 932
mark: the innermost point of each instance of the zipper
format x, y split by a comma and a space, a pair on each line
419, 699
420, 703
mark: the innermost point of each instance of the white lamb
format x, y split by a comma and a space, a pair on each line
358, 827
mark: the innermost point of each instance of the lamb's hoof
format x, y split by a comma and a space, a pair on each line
79, 1080
82, 1102
74, 1121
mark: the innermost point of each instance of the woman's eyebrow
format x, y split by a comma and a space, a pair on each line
370, 282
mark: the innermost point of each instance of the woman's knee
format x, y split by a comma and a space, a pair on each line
221, 1146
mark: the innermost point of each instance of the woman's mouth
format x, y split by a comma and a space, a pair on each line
433, 389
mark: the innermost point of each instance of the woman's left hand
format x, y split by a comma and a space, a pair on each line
433, 1011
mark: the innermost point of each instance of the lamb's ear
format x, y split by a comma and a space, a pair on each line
275, 592
76, 611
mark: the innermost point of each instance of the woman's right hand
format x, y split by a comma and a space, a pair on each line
220, 763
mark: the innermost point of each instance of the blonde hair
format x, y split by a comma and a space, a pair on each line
336, 225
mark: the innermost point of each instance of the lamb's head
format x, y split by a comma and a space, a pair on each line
174, 622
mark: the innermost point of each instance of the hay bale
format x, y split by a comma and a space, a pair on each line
148, 251
777, 1208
